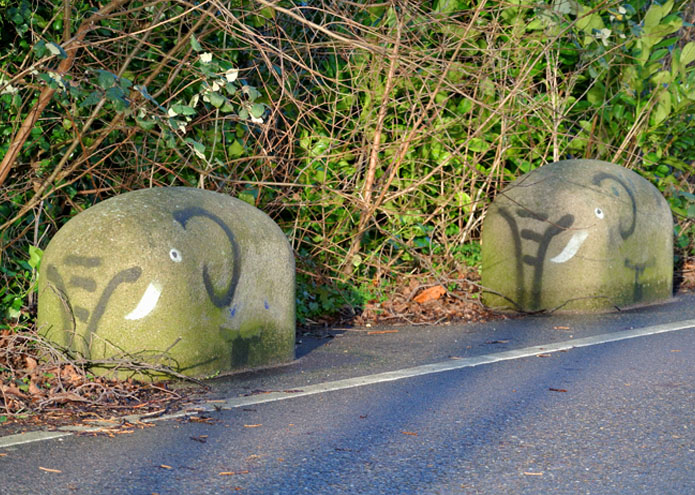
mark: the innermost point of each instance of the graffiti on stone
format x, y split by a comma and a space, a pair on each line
85, 276
591, 219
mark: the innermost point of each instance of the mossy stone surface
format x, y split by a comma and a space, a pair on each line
188, 278
577, 235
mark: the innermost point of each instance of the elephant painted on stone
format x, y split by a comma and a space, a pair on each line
184, 277
577, 235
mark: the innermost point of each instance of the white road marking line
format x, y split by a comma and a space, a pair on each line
30, 437
453, 364
389, 376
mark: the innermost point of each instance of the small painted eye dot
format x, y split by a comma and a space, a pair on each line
598, 212
175, 256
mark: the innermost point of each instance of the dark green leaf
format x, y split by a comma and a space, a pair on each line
93, 98
195, 44
105, 79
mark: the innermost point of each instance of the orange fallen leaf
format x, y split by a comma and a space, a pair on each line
31, 364
49, 470
430, 294
561, 328
33, 389
3, 455
12, 390
253, 426
164, 466
379, 332
70, 374
411, 433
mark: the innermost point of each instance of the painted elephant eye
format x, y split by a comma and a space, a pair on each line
175, 256
598, 212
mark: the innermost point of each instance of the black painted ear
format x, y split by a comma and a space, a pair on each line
626, 228
219, 298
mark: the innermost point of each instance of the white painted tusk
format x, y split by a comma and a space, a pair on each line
572, 247
147, 302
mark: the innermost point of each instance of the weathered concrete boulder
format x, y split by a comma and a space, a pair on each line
188, 278
577, 235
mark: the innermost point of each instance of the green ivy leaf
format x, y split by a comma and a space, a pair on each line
257, 110
251, 92
183, 110
478, 145
93, 98
35, 256
236, 149
124, 83
40, 48
247, 197
116, 96
216, 99
105, 79
56, 49
662, 109
198, 148
50, 81
195, 44
145, 124
688, 53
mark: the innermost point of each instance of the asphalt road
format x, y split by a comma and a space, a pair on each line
503, 407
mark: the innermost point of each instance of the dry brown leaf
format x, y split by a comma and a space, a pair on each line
70, 374
411, 433
12, 390
430, 294
31, 364
33, 389
63, 397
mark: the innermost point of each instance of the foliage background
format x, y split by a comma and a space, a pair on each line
374, 133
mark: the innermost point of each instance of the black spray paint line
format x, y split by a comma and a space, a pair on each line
624, 232
85, 283
82, 314
639, 269
225, 298
516, 239
543, 240
129, 275
84, 261
242, 348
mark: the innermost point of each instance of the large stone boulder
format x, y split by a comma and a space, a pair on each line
578, 235
193, 279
